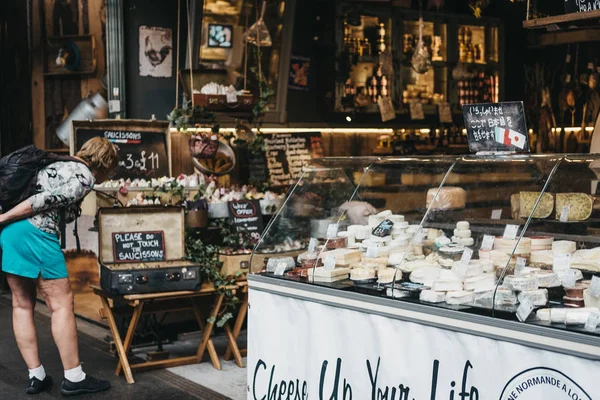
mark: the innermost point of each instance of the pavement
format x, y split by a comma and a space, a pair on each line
98, 362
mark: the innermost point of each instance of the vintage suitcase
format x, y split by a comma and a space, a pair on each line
142, 250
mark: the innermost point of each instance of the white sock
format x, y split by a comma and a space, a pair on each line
75, 375
38, 372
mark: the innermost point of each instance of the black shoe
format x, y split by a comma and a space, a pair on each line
88, 385
36, 386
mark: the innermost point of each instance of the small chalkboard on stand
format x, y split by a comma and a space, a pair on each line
496, 127
246, 215
144, 147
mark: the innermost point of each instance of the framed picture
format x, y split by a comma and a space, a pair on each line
220, 36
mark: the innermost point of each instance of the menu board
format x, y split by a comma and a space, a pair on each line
573, 6
285, 156
143, 150
138, 246
496, 126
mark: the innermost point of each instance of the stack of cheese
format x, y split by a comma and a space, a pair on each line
545, 258
462, 234
503, 248
566, 316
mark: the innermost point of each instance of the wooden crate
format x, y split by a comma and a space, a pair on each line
232, 264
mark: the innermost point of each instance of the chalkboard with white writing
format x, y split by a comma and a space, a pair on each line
143, 145
139, 246
287, 153
246, 216
496, 127
574, 6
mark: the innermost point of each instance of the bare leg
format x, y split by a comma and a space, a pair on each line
23, 299
59, 298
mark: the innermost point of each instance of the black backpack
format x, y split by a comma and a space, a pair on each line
19, 171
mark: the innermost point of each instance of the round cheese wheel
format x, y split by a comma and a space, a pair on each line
466, 241
463, 225
396, 219
463, 233
541, 241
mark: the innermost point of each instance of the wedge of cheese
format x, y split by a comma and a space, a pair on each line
527, 201
579, 206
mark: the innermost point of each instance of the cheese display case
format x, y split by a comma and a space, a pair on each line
502, 237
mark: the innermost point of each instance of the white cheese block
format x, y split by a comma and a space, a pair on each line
343, 256
547, 279
544, 257
396, 258
361, 232
385, 214
463, 225
443, 285
504, 296
563, 247
527, 201
431, 296
397, 219
459, 297
587, 259
486, 265
521, 283
538, 297
463, 233
327, 279
361, 274
578, 316
425, 275
570, 316
448, 198
480, 282
542, 241
466, 241
410, 266
328, 273
387, 275
375, 220
580, 205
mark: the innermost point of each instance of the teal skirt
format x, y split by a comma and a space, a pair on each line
28, 252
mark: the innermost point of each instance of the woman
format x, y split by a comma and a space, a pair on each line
31, 255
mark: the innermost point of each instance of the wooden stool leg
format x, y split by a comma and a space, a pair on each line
233, 345
237, 328
118, 343
207, 331
135, 319
202, 323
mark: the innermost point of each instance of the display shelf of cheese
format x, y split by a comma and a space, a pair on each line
441, 210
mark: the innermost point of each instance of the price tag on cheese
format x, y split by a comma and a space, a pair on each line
521, 262
568, 277
466, 256
592, 322
564, 214
329, 263
488, 242
280, 269
496, 214
510, 232
312, 245
231, 97
561, 262
372, 251
524, 310
594, 289
332, 231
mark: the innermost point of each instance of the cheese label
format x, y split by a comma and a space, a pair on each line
592, 322
280, 269
332, 231
520, 265
329, 263
561, 262
231, 97
496, 214
488, 242
372, 251
564, 214
510, 232
524, 310
466, 256
383, 229
594, 289
312, 245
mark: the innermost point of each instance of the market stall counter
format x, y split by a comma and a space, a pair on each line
465, 277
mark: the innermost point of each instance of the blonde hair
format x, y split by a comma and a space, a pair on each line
100, 154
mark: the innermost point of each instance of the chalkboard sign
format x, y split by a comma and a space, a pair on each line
139, 246
285, 155
496, 127
383, 229
143, 145
246, 216
573, 6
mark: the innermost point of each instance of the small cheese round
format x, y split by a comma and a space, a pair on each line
463, 233
466, 241
463, 225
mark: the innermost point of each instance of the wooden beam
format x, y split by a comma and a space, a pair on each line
565, 37
573, 18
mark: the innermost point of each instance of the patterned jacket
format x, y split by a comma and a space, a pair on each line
62, 185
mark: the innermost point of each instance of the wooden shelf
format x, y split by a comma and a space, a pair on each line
554, 22
564, 37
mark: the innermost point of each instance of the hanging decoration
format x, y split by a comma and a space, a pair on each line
258, 34
421, 60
